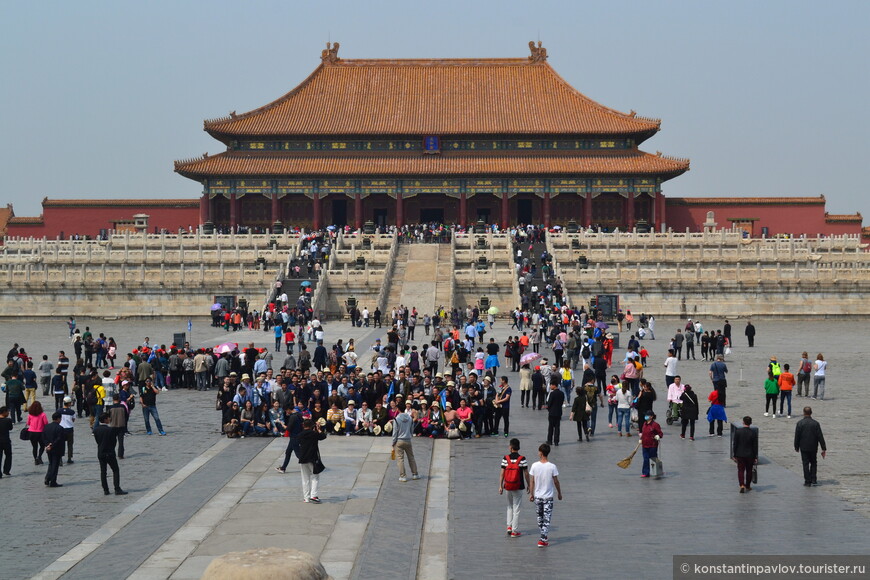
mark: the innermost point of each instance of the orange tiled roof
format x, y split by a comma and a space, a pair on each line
432, 97
848, 217
244, 163
144, 203
25, 220
747, 200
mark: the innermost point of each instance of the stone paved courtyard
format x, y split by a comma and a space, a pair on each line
695, 509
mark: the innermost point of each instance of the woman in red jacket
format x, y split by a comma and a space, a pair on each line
650, 434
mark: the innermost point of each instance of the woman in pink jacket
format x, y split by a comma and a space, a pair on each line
36, 422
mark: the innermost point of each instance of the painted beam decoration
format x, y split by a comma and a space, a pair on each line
379, 186
475, 186
218, 187
649, 186
567, 186
343, 186
442, 186
295, 187
253, 186
535, 186
610, 185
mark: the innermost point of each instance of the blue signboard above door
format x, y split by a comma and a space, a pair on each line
432, 145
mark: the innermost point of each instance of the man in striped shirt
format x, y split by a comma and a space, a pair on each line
514, 479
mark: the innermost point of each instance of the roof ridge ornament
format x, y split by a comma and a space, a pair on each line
330, 54
539, 53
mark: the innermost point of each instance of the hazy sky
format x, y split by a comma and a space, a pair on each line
767, 98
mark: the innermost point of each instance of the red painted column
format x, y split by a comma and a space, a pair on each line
315, 211
204, 209
505, 210
357, 211
400, 214
463, 209
629, 211
276, 209
587, 210
654, 212
546, 209
234, 211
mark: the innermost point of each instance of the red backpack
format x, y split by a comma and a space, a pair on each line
513, 474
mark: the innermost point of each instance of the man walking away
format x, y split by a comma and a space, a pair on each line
403, 430
309, 455
106, 438
44, 371
5, 441
118, 422
690, 344
544, 479
554, 414
54, 438
744, 452
807, 439
718, 371
514, 479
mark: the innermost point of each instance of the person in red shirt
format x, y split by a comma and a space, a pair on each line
289, 339
786, 384
650, 434
524, 341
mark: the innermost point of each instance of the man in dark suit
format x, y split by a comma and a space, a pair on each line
744, 452
54, 439
555, 400
106, 437
807, 439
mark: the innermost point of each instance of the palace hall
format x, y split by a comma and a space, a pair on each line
503, 140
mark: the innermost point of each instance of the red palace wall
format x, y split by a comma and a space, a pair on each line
797, 216
89, 219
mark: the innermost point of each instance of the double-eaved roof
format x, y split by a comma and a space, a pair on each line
441, 97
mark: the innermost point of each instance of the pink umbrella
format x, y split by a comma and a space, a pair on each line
529, 358
226, 347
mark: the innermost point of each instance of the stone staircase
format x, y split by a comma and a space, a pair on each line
422, 278
418, 286
444, 277
397, 285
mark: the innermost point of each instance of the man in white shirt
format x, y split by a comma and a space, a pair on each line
670, 367
544, 483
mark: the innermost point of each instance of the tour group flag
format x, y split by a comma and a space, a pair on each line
189, 325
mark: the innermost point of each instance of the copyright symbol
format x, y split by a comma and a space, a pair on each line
684, 568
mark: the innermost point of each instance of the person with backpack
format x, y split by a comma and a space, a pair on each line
514, 479
803, 378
